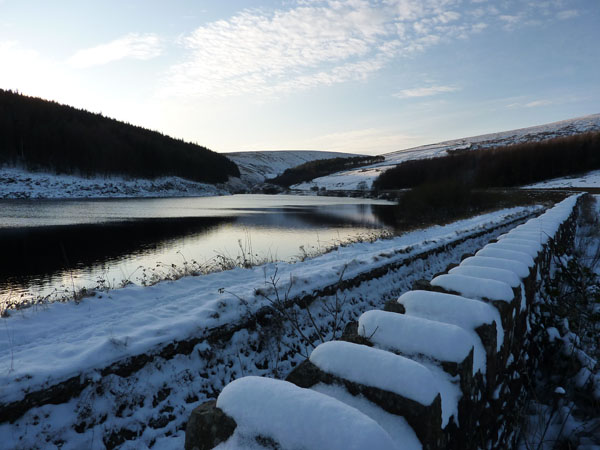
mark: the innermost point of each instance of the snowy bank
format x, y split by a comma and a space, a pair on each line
52, 343
587, 180
478, 391
21, 184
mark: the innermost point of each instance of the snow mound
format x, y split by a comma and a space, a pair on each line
415, 336
507, 254
526, 244
460, 311
296, 418
536, 236
525, 247
396, 426
490, 273
475, 287
545, 226
520, 269
373, 367
425, 341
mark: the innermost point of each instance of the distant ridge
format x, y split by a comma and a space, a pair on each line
551, 130
37, 134
256, 166
349, 180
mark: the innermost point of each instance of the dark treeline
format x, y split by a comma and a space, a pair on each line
44, 135
508, 166
448, 201
319, 168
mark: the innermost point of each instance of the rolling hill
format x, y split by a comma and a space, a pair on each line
363, 177
257, 166
45, 136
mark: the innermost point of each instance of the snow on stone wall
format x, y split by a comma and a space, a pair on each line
450, 358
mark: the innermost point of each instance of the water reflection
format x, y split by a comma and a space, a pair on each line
37, 251
49, 243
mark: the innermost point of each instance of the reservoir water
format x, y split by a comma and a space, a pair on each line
56, 247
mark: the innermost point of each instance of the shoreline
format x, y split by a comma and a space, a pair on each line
20, 184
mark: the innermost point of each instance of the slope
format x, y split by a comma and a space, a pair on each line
351, 179
256, 166
41, 135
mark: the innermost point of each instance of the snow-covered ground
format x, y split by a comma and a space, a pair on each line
434, 325
42, 346
270, 406
59, 340
363, 177
256, 166
19, 183
588, 180
564, 409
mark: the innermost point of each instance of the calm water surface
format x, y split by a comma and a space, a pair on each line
55, 246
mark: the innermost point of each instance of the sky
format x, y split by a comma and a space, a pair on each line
361, 76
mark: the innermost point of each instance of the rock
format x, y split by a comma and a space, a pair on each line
305, 375
394, 306
208, 427
161, 421
421, 285
350, 334
117, 438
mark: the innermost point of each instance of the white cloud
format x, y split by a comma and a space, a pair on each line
33, 73
478, 27
567, 14
130, 46
256, 52
372, 141
536, 103
427, 91
510, 20
21, 69
323, 42
531, 104
319, 42
477, 12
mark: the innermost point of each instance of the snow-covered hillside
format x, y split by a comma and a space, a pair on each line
586, 180
257, 166
363, 177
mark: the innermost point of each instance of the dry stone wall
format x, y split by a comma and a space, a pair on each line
450, 358
58, 391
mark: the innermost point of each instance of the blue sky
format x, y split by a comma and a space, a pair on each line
366, 76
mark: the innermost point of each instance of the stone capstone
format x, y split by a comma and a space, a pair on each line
208, 427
